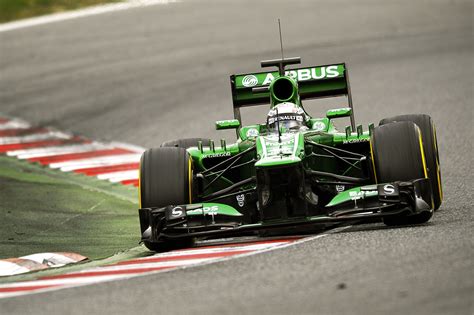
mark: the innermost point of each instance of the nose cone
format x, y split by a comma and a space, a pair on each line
275, 152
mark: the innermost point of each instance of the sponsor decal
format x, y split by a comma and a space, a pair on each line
215, 155
225, 121
279, 144
241, 200
271, 146
355, 140
249, 80
252, 132
272, 120
355, 195
389, 189
340, 188
268, 79
306, 74
319, 125
337, 110
212, 210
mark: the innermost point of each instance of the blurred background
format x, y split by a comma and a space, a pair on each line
11, 10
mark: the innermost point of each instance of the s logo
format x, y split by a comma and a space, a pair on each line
177, 212
389, 189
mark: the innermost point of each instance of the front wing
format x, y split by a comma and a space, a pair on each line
206, 220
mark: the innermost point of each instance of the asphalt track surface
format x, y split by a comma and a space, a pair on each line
149, 75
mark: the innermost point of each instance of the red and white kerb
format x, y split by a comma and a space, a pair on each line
115, 162
135, 267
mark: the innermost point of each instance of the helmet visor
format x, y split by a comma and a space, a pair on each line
285, 122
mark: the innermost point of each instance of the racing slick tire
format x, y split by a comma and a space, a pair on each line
430, 145
398, 156
186, 143
165, 179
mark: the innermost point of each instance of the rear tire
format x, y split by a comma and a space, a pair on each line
398, 156
430, 145
185, 143
165, 179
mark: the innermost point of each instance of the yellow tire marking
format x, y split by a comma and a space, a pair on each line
422, 153
424, 161
437, 165
373, 161
439, 186
190, 179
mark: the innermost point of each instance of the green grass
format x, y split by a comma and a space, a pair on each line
43, 210
11, 10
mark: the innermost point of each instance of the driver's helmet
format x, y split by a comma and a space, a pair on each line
290, 117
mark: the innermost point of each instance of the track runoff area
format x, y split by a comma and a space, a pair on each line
117, 163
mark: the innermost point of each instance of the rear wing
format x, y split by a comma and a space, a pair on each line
313, 82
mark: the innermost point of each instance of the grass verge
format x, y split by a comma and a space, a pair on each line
11, 10
43, 210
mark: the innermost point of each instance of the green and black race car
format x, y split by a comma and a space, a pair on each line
291, 171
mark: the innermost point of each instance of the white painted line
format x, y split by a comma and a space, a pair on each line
14, 124
116, 177
34, 137
128, 146
95, 10
98, 161
58, 150
62, 281
98, 164
169, 264
121, 179
220, 249
173, 262
44, 150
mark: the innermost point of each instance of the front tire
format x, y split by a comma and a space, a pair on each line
165, 179
398, 156
430, 146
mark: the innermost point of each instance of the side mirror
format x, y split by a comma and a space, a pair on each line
227, 124
339, 112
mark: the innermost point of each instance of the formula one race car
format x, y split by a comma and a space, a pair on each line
291, 171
